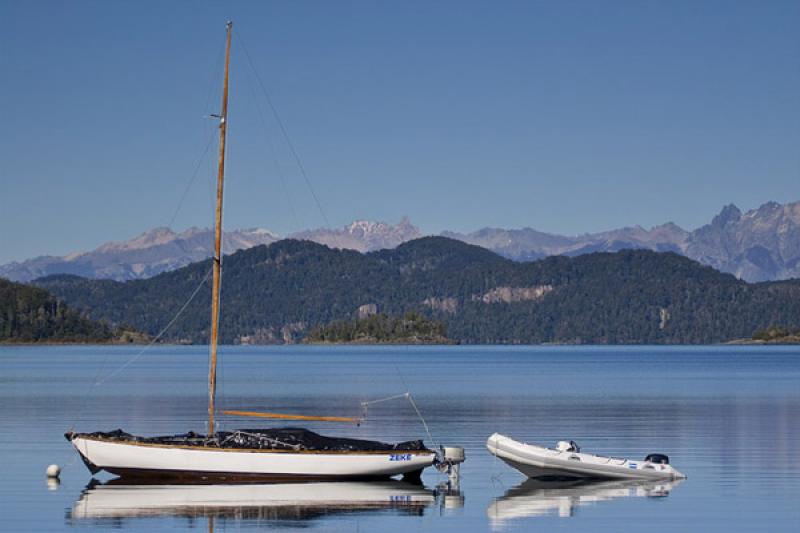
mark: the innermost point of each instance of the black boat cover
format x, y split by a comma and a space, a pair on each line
262, 439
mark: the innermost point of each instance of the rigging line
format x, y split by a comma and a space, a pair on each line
82, 403
422, 419
273, 151
388, 398
413, 403
366, 403
130, 361
410, 398
214, 78
283, 131
496, 475
160, 333
192, 178
97, 380
211, 84
316, 199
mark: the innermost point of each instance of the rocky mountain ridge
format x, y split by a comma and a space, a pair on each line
151, 253
762, 244
759, 245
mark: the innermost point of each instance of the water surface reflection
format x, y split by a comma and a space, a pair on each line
728, 417
110, 503
535, 498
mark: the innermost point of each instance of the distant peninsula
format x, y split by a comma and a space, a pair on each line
772, 335
412, 328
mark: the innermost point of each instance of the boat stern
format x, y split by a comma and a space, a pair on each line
676, 474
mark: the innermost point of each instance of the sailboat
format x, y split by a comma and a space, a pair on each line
251, 455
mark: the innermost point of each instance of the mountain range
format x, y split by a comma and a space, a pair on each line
759, 245
151, 253
280, 292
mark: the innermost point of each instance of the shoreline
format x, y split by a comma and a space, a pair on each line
76, 343
125, 341
368, 340
735, 342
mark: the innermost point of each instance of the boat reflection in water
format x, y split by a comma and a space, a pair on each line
248, 504
536, 498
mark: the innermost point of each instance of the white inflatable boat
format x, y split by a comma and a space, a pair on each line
567, 461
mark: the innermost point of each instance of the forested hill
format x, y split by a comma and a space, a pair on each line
30, 314
279, 292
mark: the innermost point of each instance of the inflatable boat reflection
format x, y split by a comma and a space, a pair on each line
534, 498
248, 503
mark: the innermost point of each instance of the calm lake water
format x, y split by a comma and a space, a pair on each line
728, 417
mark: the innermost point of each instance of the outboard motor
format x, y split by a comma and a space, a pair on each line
657, 458
571, 446
449, 460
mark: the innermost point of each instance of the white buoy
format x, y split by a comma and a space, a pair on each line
53, 471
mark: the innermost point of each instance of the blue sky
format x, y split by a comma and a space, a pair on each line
564, 116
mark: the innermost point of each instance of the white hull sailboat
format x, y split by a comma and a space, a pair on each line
250, 455
134, 459
567, 461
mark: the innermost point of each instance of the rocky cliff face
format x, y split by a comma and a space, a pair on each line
512, 294
762, 244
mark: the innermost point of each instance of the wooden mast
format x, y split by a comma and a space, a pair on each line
217, 259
